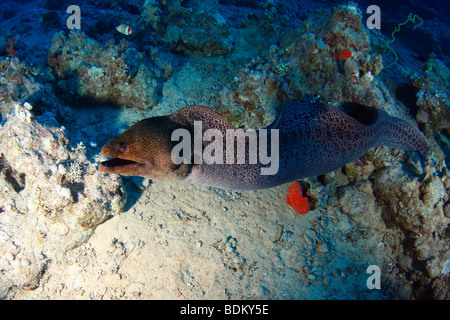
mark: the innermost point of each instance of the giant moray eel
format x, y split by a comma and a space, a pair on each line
314, 139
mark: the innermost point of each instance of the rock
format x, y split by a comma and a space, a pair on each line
433, 99
90, 73
205, 34
47, 210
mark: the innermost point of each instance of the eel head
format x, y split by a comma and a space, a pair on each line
144, 150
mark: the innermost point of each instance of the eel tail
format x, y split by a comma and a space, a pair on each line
400, 134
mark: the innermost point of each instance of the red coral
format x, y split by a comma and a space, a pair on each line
10, 49
343, 54
296, 198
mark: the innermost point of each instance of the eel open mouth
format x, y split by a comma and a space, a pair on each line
116, 162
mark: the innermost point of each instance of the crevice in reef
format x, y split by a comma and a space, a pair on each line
15, 179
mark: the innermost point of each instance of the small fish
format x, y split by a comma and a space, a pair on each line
296, 198
126, 30
343, 54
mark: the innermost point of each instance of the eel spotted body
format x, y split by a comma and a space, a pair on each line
314, 139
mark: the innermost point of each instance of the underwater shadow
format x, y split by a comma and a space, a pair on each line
135, 187
94, 123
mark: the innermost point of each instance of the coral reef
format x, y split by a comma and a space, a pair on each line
407, 215
203, 33
19, 83
88, 71
16, 83
433, 98
252, 101
51, 196
151, 13
417, 209
404, 203
315, 68
193, 28
243, 59
310, 64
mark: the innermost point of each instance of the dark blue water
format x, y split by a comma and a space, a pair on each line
23, 19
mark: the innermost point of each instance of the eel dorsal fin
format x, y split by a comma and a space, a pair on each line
290, 110
209, 118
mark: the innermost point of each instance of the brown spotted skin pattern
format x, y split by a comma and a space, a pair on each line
318, 138
147, 142
314, 139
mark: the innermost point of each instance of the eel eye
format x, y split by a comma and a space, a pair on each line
122, 150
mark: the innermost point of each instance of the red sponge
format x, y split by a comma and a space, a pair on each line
297, 199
